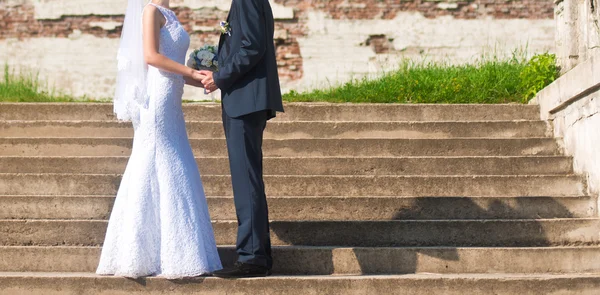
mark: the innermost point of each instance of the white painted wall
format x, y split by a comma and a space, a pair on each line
332, 52
81, 65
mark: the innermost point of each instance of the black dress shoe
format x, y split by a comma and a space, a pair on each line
243, 270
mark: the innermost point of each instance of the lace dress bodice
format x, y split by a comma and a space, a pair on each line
173, 43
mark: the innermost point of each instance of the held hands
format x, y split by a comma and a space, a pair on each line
208, 82
203, 79
197, 78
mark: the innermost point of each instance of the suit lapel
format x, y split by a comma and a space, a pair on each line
222, 38
221, 41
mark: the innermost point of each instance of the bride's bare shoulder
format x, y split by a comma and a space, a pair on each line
153, 15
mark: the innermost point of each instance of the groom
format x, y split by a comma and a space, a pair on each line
251, 95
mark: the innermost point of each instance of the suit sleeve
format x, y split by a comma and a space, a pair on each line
252, 34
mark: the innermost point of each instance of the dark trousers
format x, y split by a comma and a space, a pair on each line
244, 137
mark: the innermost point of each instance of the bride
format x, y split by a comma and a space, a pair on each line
160, 225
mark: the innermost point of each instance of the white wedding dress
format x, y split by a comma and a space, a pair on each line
160, 224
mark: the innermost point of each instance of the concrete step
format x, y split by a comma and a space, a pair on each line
294, 147
526, 165
319, 185
294, 260
31, 283
413, 233
325, 208
294, 112
292, 130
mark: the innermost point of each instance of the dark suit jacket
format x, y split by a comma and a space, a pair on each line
247, 74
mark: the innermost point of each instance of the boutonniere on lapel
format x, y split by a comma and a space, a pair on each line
225, 28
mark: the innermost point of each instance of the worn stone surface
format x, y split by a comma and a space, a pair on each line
293, 112
316, 185
292, 260
291, 130
397, 233
292, 147
339, 206
579, 124
335, 165
74, 283
325, 208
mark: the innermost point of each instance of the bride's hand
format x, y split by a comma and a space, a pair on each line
195, 79
198, 76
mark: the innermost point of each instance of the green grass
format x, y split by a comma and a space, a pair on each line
514, 80
28, 88
488, 81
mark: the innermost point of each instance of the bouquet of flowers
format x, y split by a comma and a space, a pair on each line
204, 58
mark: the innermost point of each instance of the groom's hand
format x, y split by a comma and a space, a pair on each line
208, 81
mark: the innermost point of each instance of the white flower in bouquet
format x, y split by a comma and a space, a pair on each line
207, 63
202, 55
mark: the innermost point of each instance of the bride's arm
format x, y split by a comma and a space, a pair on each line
152, 22
192, 82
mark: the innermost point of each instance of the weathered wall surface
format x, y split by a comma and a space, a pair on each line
72, 43
572, 103
577, 31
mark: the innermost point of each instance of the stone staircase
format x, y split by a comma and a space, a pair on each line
364, 199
